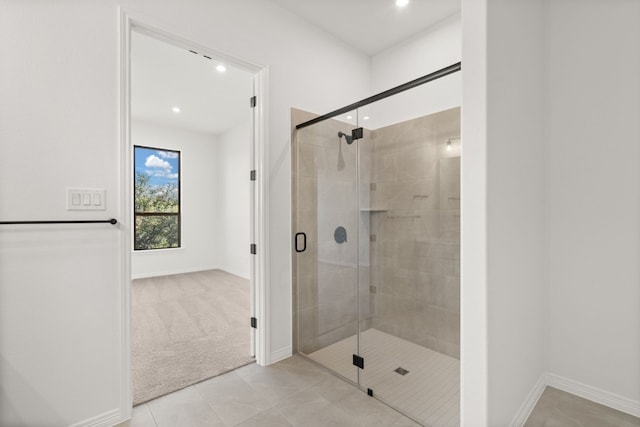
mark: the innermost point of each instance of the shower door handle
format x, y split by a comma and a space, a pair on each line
304, 242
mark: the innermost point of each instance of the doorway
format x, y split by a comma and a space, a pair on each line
194, 132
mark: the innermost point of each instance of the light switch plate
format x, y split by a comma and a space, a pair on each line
86, 199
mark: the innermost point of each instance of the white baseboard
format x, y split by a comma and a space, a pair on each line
530, 402
107, 419
283, 353
576, 388
242, 274
172, 272
594, 394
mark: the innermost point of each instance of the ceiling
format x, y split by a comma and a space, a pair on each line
372, 26
164, 76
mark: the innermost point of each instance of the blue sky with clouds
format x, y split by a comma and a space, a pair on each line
162, 166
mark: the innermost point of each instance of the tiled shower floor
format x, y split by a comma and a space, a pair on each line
429, 392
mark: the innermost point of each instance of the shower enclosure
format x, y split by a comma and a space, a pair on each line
376, 220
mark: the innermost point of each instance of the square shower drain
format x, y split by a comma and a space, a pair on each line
401, 371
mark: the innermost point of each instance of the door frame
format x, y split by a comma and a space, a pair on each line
259, 283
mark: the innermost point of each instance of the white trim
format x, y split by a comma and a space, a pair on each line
594, 394
129, 20
126, 398
253, 221
107, 419
530, 402
283, 353
262, 289
576, 388
474, 281
147, 25
242, 275
176, 271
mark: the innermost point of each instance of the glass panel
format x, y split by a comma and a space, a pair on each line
156, 198
157, 232
410, 249
326, 271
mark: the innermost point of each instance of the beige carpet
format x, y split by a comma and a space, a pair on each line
187, 328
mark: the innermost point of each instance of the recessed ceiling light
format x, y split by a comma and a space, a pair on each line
221, 68
176, 109
349, 117
402, 3
365, 118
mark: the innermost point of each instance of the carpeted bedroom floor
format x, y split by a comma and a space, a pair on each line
187, 328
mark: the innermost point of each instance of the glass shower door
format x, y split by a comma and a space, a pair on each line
409, 327
326, 229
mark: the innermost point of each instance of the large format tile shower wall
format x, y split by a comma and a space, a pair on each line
402, 216
415, 231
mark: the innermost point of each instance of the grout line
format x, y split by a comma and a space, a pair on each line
431, 394
153, 417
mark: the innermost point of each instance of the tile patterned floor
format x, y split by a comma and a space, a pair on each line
293, 392
556, 408
429, 392
296, 392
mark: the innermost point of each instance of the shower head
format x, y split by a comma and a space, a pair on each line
349, 138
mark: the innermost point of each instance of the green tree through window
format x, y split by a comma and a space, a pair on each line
156, 198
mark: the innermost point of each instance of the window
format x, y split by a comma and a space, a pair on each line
156, 198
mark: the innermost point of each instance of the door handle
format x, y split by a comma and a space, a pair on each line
304, 242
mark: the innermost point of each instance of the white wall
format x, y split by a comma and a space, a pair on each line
436, 48
473, 218
502, 175
562, 237
199, 187
592, 64
214, 201
428, 51
61, 303
233, 234
514, 205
